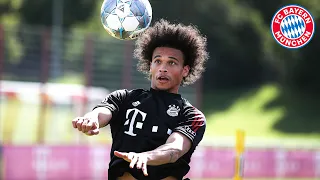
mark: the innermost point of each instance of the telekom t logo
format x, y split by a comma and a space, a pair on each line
139, 125
40, 162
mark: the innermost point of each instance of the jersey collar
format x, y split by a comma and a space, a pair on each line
164, 93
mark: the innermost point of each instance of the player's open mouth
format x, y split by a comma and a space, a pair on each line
163, 79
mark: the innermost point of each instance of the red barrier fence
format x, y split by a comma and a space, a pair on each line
91, 162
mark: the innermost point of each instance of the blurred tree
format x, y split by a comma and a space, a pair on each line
51, 13
8, 6
39, 12
299, 66
237, 44
305, 74
4, 7
242, 50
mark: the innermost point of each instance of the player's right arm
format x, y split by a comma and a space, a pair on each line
92, 121
102, 114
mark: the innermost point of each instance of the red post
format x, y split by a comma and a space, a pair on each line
44, 76
88, 66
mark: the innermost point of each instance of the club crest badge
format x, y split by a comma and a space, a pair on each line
136, 103
173, 110
292, 26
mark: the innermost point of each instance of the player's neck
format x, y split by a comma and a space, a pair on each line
170, 91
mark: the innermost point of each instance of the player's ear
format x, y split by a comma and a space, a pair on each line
150, 66
150, 74
185, 71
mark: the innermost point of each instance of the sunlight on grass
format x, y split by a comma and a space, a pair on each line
247, 113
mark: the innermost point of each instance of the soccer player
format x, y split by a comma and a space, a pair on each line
154, 131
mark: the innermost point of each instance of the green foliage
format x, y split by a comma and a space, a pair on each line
9, 6
295, 67
13, 43
236, 44
40, 12
242, 49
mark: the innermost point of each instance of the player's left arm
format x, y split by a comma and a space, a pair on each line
187, 135
175, 147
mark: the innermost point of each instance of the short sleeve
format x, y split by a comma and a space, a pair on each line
114, 101
192, 124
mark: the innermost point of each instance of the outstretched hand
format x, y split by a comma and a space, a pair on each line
140, 160
89, 126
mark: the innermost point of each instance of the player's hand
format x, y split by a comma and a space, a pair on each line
140, 160
89, 126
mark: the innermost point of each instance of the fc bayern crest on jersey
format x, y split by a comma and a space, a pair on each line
173, 110
292, 26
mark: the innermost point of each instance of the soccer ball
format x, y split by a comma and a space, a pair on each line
126, 19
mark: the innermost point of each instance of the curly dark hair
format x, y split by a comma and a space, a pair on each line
184, 38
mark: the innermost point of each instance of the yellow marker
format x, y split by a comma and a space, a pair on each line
239, 155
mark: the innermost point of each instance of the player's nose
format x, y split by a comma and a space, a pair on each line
163, 68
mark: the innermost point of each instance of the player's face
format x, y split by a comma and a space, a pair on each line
167, 69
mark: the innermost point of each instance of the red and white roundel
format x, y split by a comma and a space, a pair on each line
292, 26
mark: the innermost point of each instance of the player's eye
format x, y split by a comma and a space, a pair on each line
157, 61
172, 63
